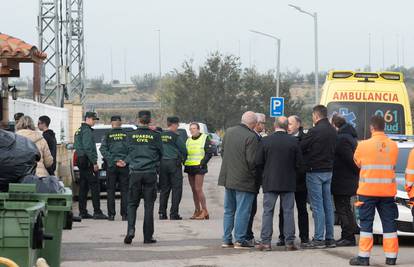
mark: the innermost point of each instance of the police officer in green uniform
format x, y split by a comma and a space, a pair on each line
144, 156
171, 173
114, 148
85, 147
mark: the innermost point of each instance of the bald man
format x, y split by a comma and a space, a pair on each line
239, 178
279, 158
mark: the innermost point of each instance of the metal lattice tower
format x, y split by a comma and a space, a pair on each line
61, 36
49, 30
75, 50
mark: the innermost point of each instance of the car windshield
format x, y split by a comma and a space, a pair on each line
402, 159
358, 114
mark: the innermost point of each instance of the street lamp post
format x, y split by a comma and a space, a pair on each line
314, 15
278, 42
159, 52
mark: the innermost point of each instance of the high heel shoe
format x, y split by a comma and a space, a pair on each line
203, 215
195, 215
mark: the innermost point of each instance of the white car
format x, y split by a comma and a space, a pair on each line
99, 131
404, 221
186, 127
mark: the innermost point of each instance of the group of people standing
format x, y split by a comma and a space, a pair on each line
143, 161
45, 141
325, 162
288, 164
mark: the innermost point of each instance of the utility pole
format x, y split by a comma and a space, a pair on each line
383, 53
50, 40
75, 50
278, 43
369, 51
402, 51
159, 53
61, 35
314, 15
398, 50
125, 68
112, 69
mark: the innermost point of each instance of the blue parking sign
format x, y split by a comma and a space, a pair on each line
277, 106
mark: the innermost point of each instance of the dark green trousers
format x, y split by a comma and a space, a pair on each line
142, 185
116, 175
171, 180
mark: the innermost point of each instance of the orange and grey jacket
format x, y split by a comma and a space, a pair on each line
409, 175
377, 157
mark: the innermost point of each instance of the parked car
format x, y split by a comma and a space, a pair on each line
186, 127
216, 143
98, 133
404, 221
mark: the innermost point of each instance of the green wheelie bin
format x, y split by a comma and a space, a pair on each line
58, 216
22, 232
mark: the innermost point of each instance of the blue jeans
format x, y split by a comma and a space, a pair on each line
237, 209
319, 190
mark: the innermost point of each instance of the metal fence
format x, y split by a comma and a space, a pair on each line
119, 105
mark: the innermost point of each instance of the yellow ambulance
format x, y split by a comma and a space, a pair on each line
359, 95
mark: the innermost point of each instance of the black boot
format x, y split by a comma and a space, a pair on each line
391, 261
175, 217
163, 216
128, 238
359, 261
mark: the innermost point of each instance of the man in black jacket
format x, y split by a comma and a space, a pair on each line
280, 158
301, 195
260, 131
49, 136
318, 147
345, 179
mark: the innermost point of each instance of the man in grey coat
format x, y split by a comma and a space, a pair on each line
239, 178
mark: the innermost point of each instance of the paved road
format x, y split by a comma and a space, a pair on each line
194, 243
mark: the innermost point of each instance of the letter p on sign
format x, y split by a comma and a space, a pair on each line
277, 106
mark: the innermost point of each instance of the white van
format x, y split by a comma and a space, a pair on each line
186, 127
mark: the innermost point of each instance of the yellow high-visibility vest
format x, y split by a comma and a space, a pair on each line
195, 150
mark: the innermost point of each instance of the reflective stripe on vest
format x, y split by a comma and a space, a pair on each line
376, 180
377, 167
195, 150
409, 171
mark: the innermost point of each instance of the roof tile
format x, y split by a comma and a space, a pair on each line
11, 47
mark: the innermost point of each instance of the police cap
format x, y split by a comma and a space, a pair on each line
173, 119
116, 118
91, 114
144, 114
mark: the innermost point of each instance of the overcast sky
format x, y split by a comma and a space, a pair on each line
194, 28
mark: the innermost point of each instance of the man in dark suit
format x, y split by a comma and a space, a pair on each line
295, 129
280, 157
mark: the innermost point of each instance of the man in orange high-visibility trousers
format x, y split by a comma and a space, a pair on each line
409, 180
377, 157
